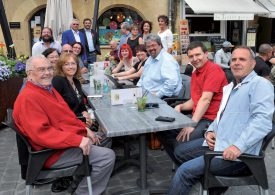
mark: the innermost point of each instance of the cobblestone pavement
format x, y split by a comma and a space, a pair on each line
124, 180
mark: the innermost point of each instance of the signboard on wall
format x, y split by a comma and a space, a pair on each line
184, 35
225, 16
217, 43
251, 37
14, 24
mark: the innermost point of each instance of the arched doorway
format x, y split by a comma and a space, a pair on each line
36, 23
109, 23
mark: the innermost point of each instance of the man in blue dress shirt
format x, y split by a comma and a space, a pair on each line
161, 75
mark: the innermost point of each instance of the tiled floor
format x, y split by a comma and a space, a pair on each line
123, 182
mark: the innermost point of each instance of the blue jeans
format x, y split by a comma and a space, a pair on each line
191, 171
168, 138
189, 150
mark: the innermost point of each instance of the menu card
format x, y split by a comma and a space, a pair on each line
125, 96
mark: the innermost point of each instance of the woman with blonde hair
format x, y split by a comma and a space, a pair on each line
69, 87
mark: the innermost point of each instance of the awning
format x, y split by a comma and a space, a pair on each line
227, 9
270, 6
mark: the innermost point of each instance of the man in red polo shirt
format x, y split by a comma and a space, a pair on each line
207, 83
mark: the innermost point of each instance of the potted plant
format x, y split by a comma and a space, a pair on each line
12, 72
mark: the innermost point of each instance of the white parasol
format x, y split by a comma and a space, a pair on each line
59, 15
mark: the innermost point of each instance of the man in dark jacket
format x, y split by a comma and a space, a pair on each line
92, 46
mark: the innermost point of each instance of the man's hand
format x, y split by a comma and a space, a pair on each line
178, 108
94, 138
85, 145
231, 153
210, 139
185, 134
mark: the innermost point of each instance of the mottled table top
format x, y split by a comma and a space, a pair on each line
126, 120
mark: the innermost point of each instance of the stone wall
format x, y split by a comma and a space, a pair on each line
25, 9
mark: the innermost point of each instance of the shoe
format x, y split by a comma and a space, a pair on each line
61, 184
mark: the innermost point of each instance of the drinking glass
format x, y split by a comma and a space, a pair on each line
141, 102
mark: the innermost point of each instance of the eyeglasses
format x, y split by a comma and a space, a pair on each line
42, 70
70, 64
67, 51
75, 24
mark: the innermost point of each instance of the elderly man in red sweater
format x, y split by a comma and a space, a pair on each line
47, 121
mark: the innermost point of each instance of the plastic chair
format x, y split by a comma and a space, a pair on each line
184, 94
255, 163
32, 163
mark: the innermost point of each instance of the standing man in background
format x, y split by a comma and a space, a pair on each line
125, 28
222, 58
261, 67
45, 41
74, 35
223, 55
92, 46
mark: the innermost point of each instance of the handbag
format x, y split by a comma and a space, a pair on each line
154, 143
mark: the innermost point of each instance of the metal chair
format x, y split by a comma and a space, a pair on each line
255, 163
32, 163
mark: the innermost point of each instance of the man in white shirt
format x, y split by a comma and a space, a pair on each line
223, 55
92, 45
46, 41
222, 58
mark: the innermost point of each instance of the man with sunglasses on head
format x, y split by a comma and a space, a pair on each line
74, 35
45, 41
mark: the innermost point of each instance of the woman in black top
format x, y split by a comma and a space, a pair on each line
136, 71
134, 40
68, 86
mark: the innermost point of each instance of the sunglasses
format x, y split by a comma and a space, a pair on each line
67, 51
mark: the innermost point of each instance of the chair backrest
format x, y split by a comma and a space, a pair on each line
185, 92
23, 146
268, 138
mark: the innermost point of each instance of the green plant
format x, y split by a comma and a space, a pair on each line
12, 67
